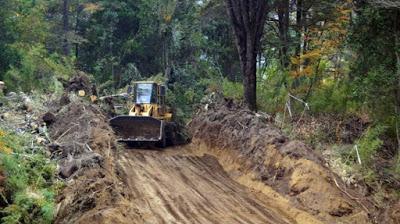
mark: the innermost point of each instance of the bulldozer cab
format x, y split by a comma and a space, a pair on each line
148, 100
147, 93
144, 93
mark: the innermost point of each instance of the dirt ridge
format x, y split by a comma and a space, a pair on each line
288, 167
147, 186
238, 169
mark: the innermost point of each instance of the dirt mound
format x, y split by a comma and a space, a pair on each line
84, 145
80, 82
394, 213
331, 128
289, 167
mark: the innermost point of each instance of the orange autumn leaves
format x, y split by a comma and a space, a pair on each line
324, 40
3, 145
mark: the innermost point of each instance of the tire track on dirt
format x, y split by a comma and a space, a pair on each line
190, 189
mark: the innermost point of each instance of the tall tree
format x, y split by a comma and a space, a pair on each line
299, 23
283, 26
374, 70
394, 6
66, 48
247, 19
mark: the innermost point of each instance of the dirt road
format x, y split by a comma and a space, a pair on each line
228, 174
190, 189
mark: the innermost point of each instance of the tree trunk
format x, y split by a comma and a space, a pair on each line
299, 24
250, 75
66, 47
247, 20
283, 26
79, 9
397, 53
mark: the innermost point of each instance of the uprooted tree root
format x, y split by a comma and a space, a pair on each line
85, 147
289, 167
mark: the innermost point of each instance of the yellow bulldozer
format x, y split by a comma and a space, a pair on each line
148, 115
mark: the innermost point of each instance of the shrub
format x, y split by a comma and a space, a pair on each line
38, 70
332, 97
369, 143
30, 185
271, 89
232, 90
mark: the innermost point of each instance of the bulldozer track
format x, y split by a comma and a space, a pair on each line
190, 189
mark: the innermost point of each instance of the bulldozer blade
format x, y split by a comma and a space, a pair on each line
136, 129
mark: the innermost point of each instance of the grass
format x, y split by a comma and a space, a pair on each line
30, 186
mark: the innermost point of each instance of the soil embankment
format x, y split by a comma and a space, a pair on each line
110, 185
259, 156
238, 169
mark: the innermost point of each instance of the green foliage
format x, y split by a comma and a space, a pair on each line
159, 78
369, 144
216, 40
396, 166
272, 92
27, 63
374, 64
188, 86
333, 97
180, 98
232, 90
38, 70
31, 182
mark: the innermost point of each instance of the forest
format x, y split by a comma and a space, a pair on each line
325, 72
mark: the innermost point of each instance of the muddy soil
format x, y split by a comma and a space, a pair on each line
238, 169
80, 82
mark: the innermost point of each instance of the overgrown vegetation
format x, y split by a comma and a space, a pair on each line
29, 186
